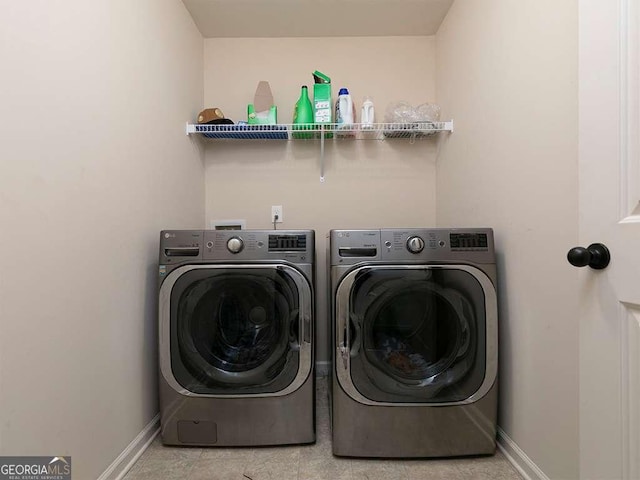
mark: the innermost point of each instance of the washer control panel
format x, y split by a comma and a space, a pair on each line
195, 246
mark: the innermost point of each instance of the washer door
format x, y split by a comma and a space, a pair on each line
416, 334
236, 330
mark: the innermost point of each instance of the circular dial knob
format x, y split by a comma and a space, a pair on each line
235, 244
415, 244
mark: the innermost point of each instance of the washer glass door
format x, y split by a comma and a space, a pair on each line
236, 330
414, 334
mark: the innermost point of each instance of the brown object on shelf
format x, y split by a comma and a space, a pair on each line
209, 114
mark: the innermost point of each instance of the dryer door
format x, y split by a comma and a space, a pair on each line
235, 330
416, 334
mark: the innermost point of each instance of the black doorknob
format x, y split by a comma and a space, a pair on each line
595, 256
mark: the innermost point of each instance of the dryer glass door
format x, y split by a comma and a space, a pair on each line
236, 330
416, 334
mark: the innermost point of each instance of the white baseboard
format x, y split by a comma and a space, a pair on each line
322, 368
121, 465
525, 466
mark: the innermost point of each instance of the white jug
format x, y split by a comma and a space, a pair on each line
344, 109
367, 117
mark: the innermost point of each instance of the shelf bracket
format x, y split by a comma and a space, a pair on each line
190, 129
322, 154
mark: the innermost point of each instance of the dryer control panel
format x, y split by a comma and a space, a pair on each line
412, 245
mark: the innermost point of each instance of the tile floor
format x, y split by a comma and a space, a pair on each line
307, 462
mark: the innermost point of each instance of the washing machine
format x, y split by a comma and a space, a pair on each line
236, 333
415, 337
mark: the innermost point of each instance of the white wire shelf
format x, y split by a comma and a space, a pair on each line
356, 131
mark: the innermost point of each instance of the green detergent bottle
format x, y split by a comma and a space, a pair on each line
303, 115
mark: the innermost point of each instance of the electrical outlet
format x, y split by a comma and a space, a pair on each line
276, 210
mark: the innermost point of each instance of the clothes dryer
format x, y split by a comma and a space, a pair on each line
415, 335
236, 333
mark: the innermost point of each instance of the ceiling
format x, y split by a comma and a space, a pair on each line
317, 18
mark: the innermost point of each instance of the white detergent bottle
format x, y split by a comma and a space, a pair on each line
344, 110
367, 116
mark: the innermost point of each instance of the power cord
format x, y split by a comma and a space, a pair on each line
275, 219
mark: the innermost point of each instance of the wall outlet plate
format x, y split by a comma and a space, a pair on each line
277, 210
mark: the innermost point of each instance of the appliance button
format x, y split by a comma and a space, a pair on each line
235, 245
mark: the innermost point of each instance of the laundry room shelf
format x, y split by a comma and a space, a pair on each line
332, 131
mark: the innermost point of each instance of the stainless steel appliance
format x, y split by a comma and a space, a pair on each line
415, 335
236, 333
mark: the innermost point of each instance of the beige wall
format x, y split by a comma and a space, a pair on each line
94, 162
368, 184
507, 75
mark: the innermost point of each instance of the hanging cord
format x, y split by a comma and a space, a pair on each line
275, 219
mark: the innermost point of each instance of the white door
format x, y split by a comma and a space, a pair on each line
610, 214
